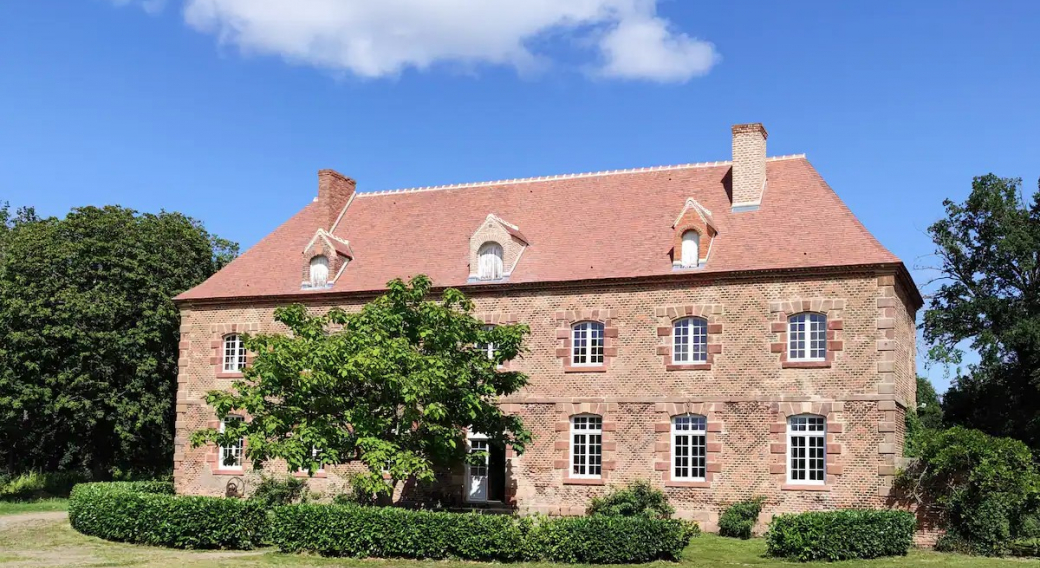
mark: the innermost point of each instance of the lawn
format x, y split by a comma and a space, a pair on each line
52, 543
16, 507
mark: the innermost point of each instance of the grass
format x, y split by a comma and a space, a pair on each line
39, 506
36, 544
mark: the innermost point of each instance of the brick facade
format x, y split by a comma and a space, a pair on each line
745, 391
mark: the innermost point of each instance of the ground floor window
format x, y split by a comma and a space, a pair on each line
586, 446
231, 456
689, 456
807, 449
486, 475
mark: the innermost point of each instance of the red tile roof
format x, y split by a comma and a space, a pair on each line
582, 227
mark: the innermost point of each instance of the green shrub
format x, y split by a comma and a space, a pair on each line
273, 491
738, 520
987, 487
841, 535
385, 532
35, 485
148, 513
639, 499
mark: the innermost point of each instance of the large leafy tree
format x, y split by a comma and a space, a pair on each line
89, 334
989, 300
393, 385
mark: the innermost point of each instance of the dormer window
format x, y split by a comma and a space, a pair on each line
319, 276
691, 249
489, 261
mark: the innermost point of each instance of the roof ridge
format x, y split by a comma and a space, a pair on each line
558, 177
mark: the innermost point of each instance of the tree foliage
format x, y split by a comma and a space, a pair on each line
89, 335
394, 385
989, 299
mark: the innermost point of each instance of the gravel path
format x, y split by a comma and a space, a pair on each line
21, 518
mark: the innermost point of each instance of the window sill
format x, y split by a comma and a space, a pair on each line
805, 365
584, 481
690, 484
797, 487
228, 472
688, 367
584, 368
229, 375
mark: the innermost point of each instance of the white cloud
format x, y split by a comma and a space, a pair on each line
379, 38
150, 6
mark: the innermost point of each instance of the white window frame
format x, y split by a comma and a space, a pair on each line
684, 254
692, 426
237, 450
488, 348
695, 331
809, 328
315, 276
590, 426
811, 429
589, 332
490, 261
234, 354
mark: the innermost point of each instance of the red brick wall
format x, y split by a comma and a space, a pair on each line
746, 392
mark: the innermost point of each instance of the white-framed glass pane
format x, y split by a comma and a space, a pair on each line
587, 343
807, 337
690, 249
807, 449
488, 348
231, 456
319, 274
234, 353
690, 340
489, 261
689, 448
586, 446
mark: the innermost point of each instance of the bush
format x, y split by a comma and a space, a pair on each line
149, 513
986, 487
738, 520
272, 492
639, 499
385, 532
841, 535
33, 485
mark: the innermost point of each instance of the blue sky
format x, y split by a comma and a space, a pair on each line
225, 109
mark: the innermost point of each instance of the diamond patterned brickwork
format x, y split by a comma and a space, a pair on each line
742, 393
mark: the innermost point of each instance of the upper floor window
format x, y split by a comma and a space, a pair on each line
807, 337
586, 445
691, 253
234, 353
806, 449
489, 261
690, 341
587, 343
488, 348
319, 275
231, 456
689, 456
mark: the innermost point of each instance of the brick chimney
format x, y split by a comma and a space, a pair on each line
749, 165
334, 191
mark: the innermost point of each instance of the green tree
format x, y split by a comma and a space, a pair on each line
393, 385
989, 300
929, 408
89, 335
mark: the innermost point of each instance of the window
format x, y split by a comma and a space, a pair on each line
489, 261
806, 449
807, 337
691, 249
587, 343
586, 446
690, 341
231, 456
488, 348
319, 271
234, 353
689, 458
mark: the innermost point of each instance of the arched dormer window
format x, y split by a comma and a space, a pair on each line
489, 261
319, 274
691, 249
587, 343
690, 341
807, 337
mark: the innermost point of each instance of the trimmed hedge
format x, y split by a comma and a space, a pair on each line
384, 532
149, 513
738, 520
841, 535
